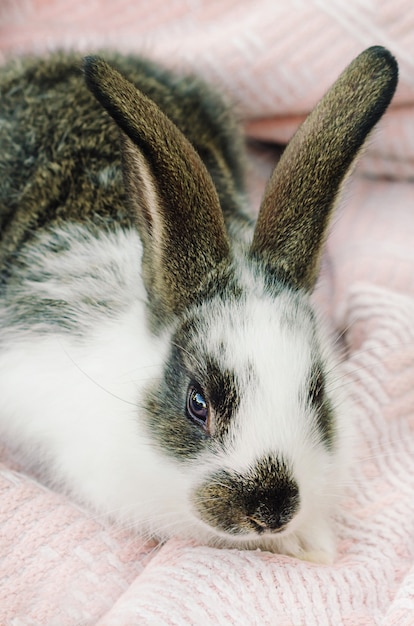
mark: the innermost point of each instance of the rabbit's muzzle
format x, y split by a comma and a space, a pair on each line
263, 500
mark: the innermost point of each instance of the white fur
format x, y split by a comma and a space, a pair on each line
273, 362
72, 404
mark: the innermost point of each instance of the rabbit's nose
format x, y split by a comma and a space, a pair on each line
275, 508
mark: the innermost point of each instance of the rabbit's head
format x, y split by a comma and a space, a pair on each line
247, 409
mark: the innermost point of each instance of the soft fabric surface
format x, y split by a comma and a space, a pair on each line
62, 566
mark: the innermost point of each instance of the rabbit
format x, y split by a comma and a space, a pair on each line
161, 358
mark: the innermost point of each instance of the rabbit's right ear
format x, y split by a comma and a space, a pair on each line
177, 207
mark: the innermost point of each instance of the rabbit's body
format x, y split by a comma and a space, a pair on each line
195, 395
60, 148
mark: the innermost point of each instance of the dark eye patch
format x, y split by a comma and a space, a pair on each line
317, 387
165, 412
224, 394
318, 399
174, 406
220, 384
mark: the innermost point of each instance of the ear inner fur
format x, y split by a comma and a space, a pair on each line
300, 195
184, 228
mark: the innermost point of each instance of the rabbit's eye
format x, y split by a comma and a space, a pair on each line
197, 406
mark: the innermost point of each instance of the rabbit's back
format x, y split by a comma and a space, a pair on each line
60, 158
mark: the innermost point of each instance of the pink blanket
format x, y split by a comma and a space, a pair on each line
60, 565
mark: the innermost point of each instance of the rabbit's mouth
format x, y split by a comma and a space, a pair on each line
261, 527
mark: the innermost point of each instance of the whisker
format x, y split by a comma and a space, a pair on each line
191, 356
95, 382
219, 484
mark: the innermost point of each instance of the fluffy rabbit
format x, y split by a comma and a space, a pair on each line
159, 356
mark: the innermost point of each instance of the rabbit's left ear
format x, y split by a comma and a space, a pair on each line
301, 193
176, 204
